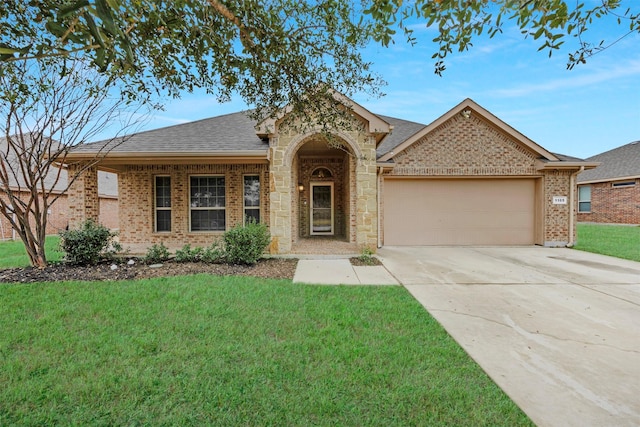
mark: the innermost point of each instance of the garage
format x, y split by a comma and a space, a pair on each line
459, 211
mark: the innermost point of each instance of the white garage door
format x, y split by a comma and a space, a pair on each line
459, 211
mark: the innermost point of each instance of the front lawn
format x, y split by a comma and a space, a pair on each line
13, 254
197, 350
622, 241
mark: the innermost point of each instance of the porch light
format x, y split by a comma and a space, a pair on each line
300, 187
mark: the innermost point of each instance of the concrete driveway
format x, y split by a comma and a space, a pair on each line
557, 329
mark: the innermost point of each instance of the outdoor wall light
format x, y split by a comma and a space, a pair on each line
466, 113
300, 187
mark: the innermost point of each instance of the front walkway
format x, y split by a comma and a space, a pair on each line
322, 245
341, 272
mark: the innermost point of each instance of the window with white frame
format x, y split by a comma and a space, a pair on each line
584, 198
251, 198
207, 203
163, 204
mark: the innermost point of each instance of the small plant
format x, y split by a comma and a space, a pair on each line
156, 254
89, 244
366, 256
245, 245
188, 254
214, 253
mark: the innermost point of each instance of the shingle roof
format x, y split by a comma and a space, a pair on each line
621, 162
402, 130
231, 132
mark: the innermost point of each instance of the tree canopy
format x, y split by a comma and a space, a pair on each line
274, 52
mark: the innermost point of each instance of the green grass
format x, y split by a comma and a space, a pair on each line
234, 351
13, 254
620, 241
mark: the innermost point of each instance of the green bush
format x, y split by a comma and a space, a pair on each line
214, 253
88, 245
245, 245
156, 254
188, 254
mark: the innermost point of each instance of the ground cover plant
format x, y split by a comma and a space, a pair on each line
621, 241
195, 350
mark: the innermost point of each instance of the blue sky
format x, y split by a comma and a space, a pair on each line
591, 109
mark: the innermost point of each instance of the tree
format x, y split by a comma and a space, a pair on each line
42, 117
275, 52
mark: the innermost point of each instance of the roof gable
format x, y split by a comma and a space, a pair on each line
374, 124
467, 108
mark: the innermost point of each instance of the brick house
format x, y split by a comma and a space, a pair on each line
611, 192
465, 179
58, 214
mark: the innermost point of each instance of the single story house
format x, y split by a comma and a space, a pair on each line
58, 213
467, 178
611, 192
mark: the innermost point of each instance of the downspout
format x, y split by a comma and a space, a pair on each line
379, 207
572, 197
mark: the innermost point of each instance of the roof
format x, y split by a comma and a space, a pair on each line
107, 182
238, 136
231, 133
619, 163
402, 130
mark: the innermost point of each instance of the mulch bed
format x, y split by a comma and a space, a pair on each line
268, 268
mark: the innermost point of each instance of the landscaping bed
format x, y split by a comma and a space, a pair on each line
267, 268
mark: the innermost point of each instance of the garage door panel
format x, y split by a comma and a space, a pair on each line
459, 212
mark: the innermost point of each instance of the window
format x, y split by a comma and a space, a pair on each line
623, 184
252, 198
207, 203
163, 203
584, 198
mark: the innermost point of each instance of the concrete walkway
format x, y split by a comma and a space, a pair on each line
340, 272
557, 329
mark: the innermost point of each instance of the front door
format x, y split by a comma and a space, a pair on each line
322, 208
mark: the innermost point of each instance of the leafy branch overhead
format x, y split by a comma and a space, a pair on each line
274, 52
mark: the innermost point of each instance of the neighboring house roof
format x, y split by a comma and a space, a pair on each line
617, 164
107, 182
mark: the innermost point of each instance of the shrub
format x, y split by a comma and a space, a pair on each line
89, 244
214, 253
156, 254
187, 254
245, 245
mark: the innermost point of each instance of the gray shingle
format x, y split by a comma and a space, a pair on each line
402, 130
231, 132
617, 163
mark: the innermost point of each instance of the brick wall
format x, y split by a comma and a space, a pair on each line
462, 147
556, 219
613, 205
109, 212
57, 218
136, 194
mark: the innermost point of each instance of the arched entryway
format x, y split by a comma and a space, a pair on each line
323, 205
